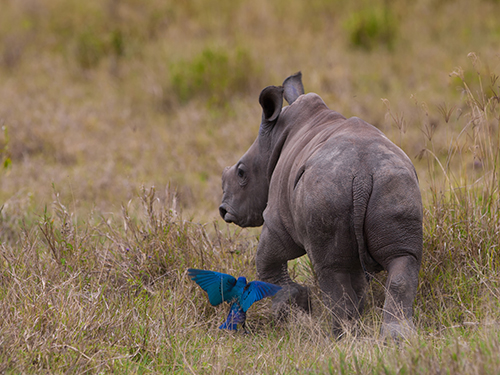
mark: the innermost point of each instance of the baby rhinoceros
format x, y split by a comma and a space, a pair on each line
337, 189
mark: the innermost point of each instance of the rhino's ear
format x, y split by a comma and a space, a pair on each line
271, 101
293, 87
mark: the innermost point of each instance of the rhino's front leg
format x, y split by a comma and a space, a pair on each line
273, 254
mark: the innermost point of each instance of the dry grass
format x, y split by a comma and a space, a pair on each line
111, 294
99, 99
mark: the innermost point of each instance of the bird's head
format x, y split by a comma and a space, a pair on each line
242, 280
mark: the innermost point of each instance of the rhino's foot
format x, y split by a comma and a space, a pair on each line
398, 331
289, 297
346, 328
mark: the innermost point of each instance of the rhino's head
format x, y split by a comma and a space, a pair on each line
245, 185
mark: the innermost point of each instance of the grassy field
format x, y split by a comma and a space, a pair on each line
117, 118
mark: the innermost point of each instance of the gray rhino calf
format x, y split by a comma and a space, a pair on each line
337, 189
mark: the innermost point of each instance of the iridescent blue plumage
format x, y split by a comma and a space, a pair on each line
236, 316
221, 287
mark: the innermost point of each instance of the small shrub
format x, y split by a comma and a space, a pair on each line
215, 74
92, 46
14, 46
5, 160
372, 27
90, 49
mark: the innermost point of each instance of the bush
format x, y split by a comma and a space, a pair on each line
214, 74
372, 27
5, 160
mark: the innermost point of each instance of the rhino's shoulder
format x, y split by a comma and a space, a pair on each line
311, 99
360, 128
310, 110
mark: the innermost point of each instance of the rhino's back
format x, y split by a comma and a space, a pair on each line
335, 151
312, 187
355, 146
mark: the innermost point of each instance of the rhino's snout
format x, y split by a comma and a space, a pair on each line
222, 212
225, 214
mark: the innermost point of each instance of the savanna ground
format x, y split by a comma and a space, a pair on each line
117, 119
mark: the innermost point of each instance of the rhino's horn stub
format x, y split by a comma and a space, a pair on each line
293, 87
271, 101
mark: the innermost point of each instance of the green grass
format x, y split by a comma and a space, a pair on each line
117, 120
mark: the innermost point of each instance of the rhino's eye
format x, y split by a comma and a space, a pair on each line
241, 173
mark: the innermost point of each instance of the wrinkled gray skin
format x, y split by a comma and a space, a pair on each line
336, 189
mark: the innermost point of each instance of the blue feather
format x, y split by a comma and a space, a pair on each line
236, 316
255, 291
221, 287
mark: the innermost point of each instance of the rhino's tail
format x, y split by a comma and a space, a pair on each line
361, 191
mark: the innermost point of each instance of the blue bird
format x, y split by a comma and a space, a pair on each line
222, 287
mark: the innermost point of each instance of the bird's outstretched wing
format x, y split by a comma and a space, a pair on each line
255, 291
236, 316
219, 286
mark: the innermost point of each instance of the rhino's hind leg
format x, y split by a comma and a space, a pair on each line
344, 296
401, 289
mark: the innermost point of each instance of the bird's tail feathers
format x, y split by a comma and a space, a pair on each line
236, 316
